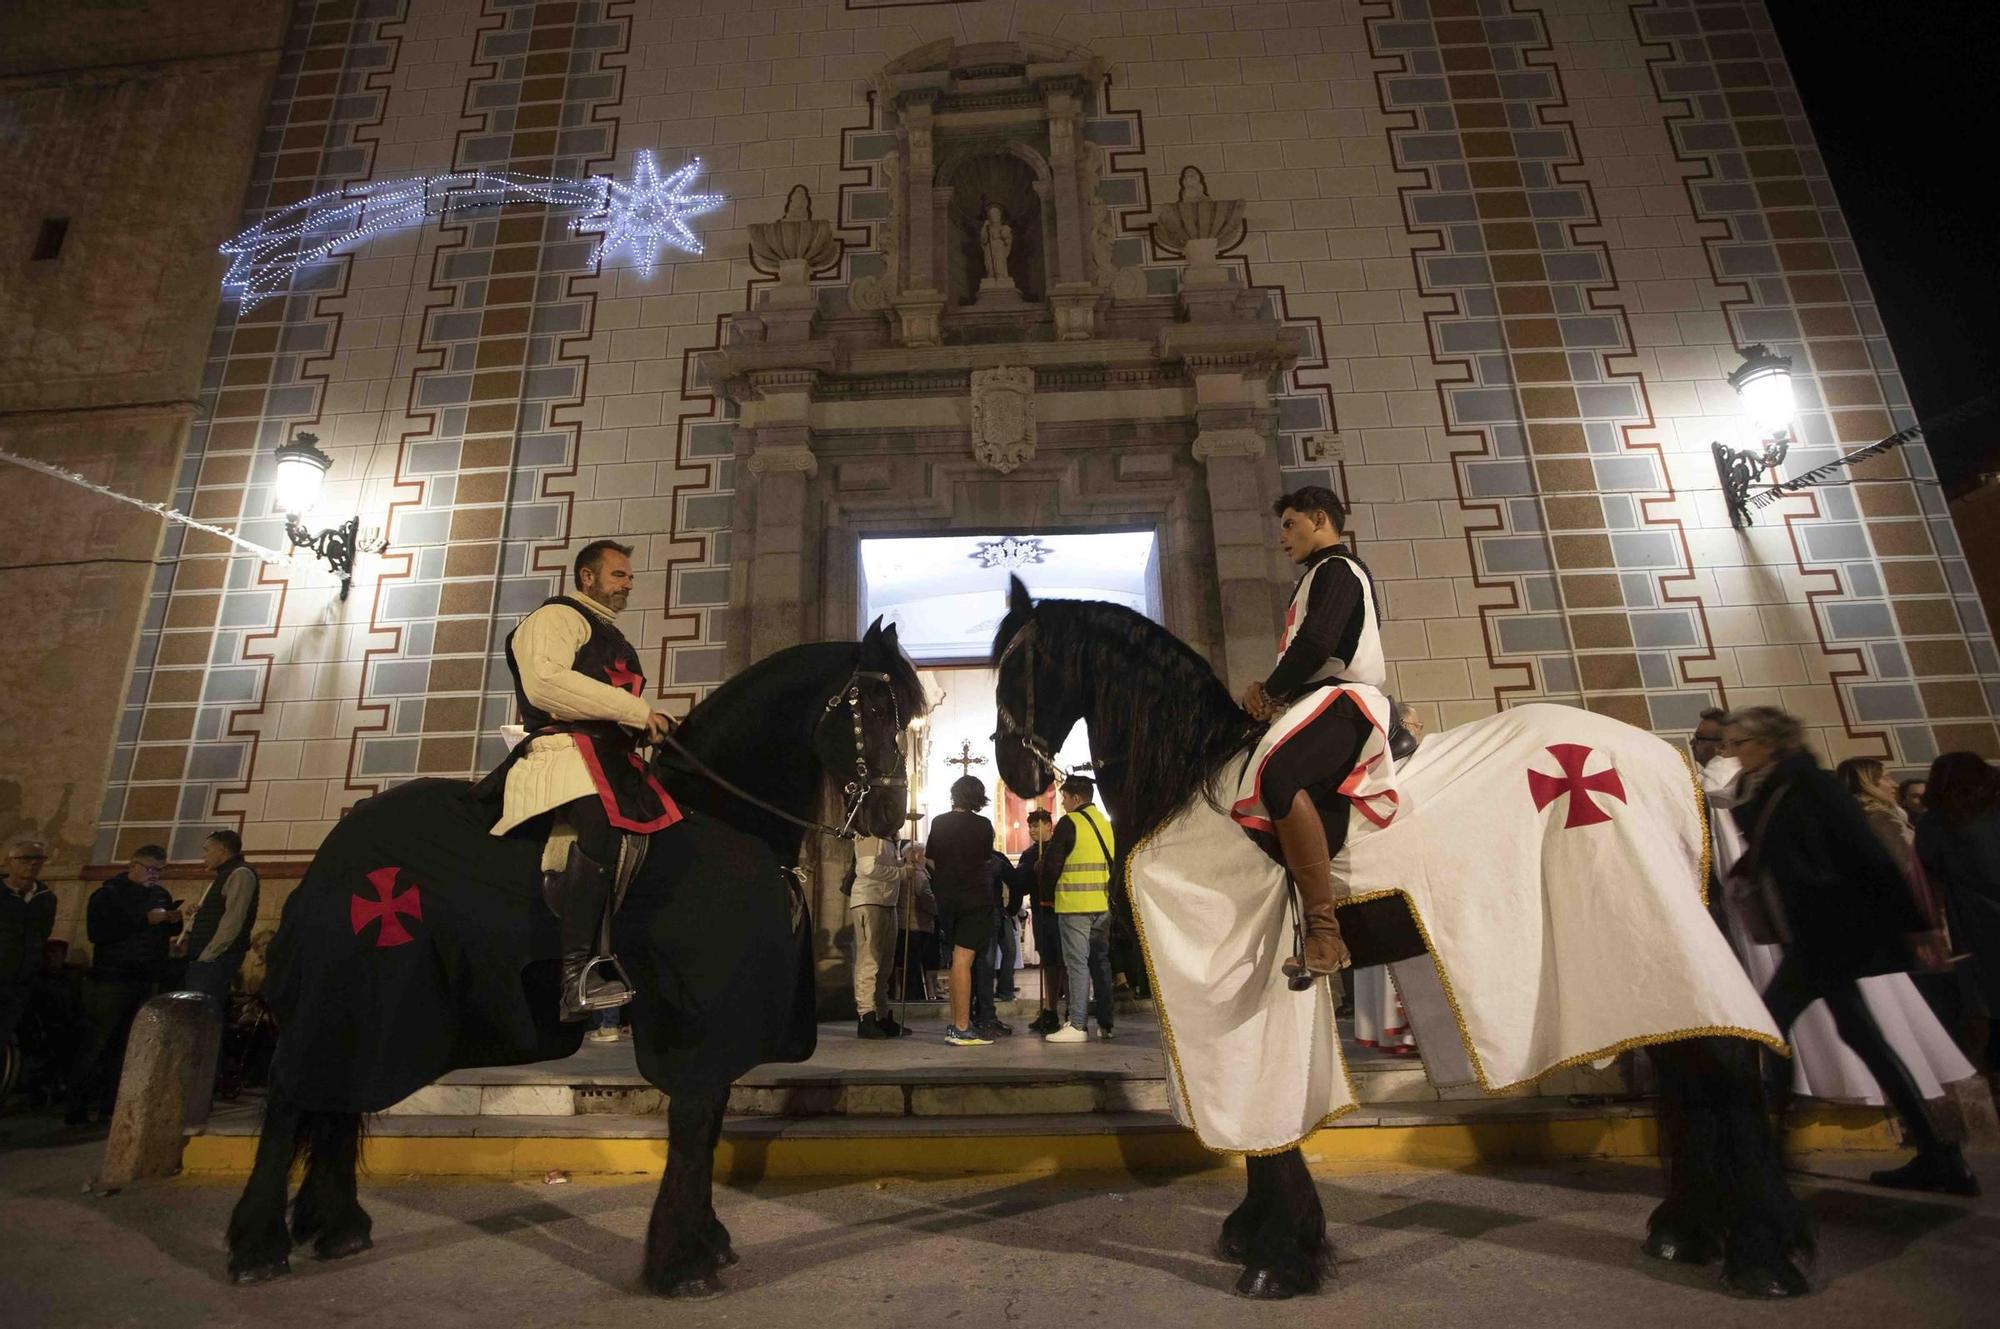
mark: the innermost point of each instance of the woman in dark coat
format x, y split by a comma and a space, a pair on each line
1844, 912
1958, 842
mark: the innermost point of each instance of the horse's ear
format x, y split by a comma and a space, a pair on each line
873, 636
889, 638
1018, 600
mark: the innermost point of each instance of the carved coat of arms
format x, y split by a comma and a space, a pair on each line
1003, 417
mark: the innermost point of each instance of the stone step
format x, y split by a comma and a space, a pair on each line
244, 1120
1435, 1134
918, 1078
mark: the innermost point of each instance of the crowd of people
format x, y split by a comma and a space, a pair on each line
1866, 911
951, 912
64, 1027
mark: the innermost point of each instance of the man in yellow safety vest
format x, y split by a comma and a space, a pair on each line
1079, 856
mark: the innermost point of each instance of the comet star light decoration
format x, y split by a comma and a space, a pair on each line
648, 213
651, 212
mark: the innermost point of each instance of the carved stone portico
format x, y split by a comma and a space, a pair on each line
915, 402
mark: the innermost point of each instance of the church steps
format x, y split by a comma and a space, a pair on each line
1438, 1134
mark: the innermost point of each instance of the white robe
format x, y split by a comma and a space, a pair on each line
1822, 1065
1379, 1018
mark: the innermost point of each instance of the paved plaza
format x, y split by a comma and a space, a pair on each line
1522, 1245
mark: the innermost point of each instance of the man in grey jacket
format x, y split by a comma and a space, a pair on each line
218, 931
871, 908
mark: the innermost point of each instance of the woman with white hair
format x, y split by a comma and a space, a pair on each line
1815, 880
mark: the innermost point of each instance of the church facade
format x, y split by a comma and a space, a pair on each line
985, 267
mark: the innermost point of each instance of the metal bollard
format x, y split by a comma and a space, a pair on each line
166, 1085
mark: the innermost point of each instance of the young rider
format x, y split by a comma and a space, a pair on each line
1328, 746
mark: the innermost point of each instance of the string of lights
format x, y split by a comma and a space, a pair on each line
641, 217
158, 509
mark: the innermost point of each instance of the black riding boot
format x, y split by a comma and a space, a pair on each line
580, 895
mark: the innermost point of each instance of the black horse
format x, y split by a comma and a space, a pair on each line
1162, 729
418, 944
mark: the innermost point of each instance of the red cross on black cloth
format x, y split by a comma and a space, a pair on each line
362, 911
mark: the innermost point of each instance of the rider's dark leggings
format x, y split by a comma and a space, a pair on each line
594, 832
599, 842
1316, 761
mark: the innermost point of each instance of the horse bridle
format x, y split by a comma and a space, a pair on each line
865, 782
1024, 734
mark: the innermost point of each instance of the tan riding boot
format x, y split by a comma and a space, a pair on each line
1302, 840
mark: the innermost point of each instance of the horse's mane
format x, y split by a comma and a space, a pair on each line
1159, 697
747, 695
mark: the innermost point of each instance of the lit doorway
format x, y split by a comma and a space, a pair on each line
946, 596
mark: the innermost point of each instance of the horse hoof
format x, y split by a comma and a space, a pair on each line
342, 1247
1265, 1285
698, 1288
1767, 1282
1681, 1247
251, 1275
727, 1257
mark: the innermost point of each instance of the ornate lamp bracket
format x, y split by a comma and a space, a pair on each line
1738, 469
336, 546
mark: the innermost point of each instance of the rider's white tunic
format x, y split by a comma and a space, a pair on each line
1553, 859
1370, 788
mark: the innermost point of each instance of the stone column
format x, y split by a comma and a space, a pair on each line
1069, 252
777, 429
1234, 445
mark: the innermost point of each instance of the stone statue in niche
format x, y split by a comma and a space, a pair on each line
996, 242
1193, 186
1003, 417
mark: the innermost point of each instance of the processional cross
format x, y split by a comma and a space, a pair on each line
965, 761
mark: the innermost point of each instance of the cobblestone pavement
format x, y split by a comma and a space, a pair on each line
1510, 1246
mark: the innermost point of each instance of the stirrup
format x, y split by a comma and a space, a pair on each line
616, 992
1297, 976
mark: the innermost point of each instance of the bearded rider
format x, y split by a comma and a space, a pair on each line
1327, 749
581, 695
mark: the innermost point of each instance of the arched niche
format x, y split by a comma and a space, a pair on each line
1014, 177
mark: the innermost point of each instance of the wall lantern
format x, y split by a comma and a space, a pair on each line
1764, 382
302, 469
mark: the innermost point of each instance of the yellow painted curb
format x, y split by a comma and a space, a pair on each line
1446, 1145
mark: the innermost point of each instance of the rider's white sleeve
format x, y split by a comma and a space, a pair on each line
545, 647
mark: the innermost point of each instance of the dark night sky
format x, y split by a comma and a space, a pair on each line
1902, 98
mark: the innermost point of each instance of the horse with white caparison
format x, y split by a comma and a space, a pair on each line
1539, 894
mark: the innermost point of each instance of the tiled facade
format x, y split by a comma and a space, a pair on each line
1524, 242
